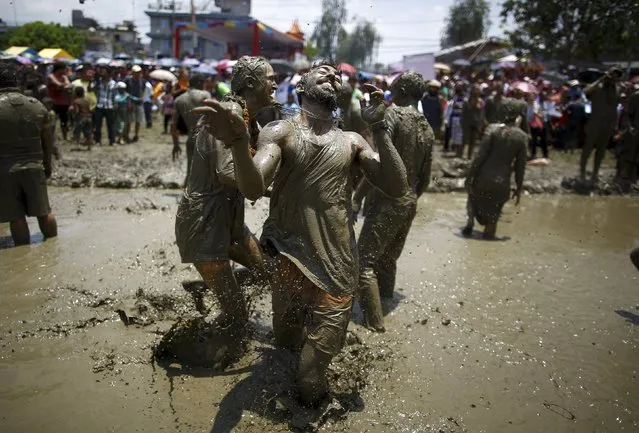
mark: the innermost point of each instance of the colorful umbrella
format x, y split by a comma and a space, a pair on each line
168, 62
524, 87
442, 67
205, 70
102, 61
190, 62
346, 68
162, 75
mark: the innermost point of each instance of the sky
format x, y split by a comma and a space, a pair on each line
406, 26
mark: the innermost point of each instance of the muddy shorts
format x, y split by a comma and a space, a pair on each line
298, 303
205, 227
83, 128
23, 192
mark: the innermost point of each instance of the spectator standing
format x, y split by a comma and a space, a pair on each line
147, 103
105, 107
123, 107
83, 120
135, 86
167, 107
60, 93
433, 107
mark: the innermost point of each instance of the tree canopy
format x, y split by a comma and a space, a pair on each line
468, 20
39, 35
330, 28
575, 29
333, 42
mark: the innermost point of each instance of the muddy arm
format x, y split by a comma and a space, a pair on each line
479, 160
384, 169
424, 179
255, 174
520, 167
223, 164
361, 191
46, 138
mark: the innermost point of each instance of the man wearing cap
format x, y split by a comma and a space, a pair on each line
135, 87
105, 89
433, 107
604, 97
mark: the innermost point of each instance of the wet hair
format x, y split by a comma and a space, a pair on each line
196, 80
510, 109
8, 74
59, 65
79, 92
245, 68
410, 84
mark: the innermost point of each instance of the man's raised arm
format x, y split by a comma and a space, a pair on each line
252, 174
384, 169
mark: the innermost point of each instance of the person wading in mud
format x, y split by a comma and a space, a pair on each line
309, 229
182, 112
25, 160
209, 226
388, 219
502, 151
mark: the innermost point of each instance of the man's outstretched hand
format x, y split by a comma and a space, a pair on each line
376, 110
225, 123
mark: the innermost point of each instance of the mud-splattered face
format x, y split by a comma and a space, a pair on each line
323, 84
266, 85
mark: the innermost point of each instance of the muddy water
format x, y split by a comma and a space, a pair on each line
537, 332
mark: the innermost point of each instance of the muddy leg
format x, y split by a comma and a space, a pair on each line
248, 253
218, 275
288, 312
490, 230
386, 268
470, 223
589, 145
471, 144
311, 375
600, 153
370, 245
634, 257
20, 232
48, 226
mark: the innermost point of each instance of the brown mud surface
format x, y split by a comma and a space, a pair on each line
538, 332
148, 164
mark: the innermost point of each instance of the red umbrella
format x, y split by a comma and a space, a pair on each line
347, 69
525, 87
635, 79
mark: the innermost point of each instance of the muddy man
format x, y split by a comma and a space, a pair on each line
308, 230
26, 146
604, 96
502, 151
182, 109
209, 227
388, 219
472, 120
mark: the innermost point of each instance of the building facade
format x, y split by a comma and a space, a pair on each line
122, 38
163, 30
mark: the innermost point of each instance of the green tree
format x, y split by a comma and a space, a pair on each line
359, 47
468, 20
39, 35
310, 50
574, 29
330, 29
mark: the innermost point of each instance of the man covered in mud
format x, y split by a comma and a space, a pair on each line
309, 230
628, 148
182, 111
604, 97
472, 120
493, 103
209, 226
388, 219
26, 146
502, 151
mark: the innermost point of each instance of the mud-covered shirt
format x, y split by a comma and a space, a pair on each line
21, 121
310, 219
413, 138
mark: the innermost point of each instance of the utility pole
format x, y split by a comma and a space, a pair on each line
194, 23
